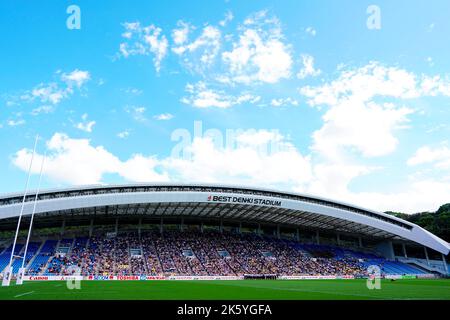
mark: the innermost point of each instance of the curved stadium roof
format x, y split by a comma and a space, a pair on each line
234, 203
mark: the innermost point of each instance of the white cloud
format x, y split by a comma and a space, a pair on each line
163, 116
141, 169
228, 17
434, 86
203, 97
180, 35
15, 123
11, 103
368, 128
201, 53
365, 83
353, 119
132, 91
333, 179
311, 31
157, 46
418, 196
284, 102
42, 109
49, 93
123, 134
77, 77
144, 41
55, 92
308, 69
439, 156
261, 137
256, 18
254, 52
76, 161
72, 161
85, 125
247, 163
247, 97
138, 113
260, 54
436, 128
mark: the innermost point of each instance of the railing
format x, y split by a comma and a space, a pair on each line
432, 266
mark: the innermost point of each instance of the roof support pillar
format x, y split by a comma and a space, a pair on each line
445, 263
91, 228
278, 231
259, 229
360, 242
221, 226
182, 224
139, 227
338, 239
161, 226
201, 227
240, 228
426, 255
116, 228
297, 235
317, 237
63, 226
404, 250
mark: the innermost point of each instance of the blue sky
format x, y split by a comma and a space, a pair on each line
295, 95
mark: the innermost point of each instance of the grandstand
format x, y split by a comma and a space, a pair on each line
211, 231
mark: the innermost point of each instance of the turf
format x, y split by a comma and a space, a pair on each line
242, 289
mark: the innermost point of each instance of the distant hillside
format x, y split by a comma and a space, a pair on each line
436, 222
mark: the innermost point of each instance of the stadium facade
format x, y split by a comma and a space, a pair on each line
263, 211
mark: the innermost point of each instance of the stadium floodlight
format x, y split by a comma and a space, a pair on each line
21, 273
7, 274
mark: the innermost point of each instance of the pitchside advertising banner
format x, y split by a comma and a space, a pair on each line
149, 278
204, 278
125, 278
314, 277
80, 278
411, 276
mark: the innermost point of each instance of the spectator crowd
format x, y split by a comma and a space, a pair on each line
196, 253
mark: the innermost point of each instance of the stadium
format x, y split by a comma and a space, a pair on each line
225, 235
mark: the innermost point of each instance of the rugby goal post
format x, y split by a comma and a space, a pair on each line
7, 274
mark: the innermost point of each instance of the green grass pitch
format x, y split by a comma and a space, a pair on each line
241, 289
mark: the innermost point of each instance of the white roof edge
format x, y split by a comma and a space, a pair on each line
200, 184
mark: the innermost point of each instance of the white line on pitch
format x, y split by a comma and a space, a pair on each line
23, 294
